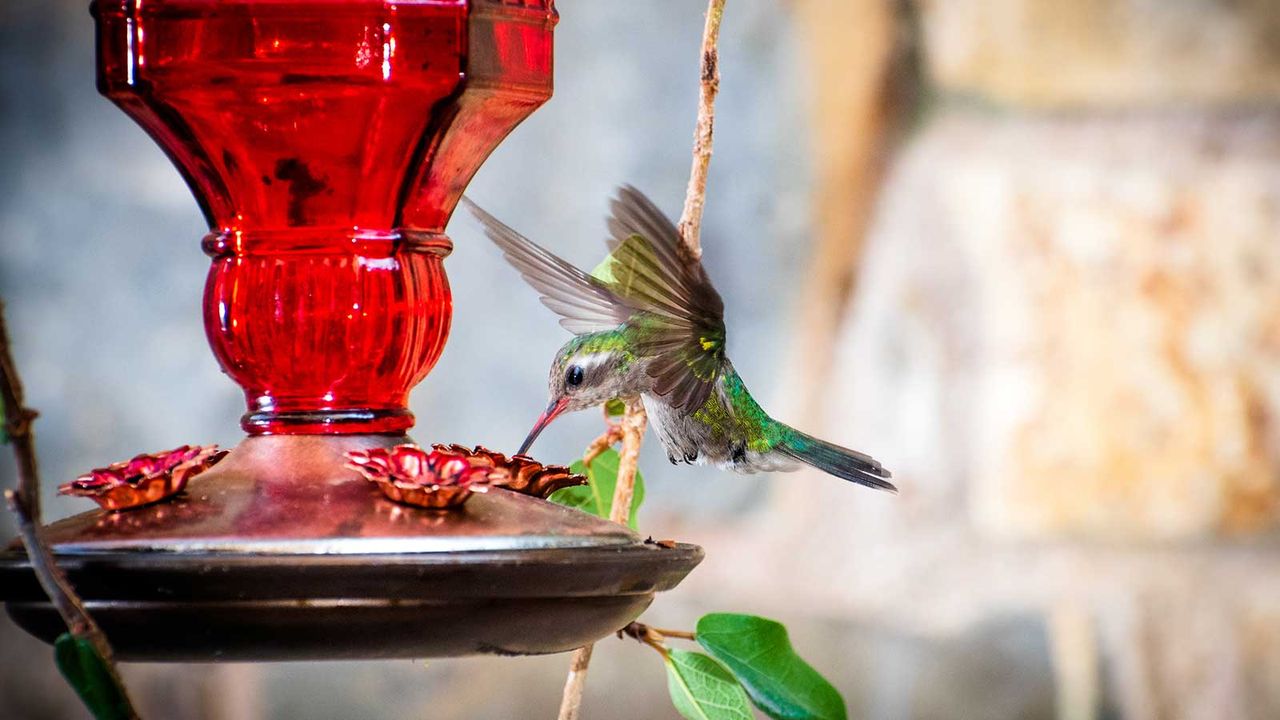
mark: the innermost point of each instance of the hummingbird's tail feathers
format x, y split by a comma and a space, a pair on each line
835, 460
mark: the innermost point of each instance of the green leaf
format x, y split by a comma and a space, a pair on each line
88, 674
615, 407
596, 497
702, 689
759, 654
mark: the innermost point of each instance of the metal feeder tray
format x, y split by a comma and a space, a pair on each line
277, 553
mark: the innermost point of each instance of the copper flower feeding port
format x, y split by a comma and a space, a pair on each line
145, 479
447, 475
407, 474
327, 145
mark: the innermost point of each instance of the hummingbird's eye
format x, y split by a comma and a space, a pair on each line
573, 376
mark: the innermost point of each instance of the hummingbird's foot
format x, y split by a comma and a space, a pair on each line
610, 437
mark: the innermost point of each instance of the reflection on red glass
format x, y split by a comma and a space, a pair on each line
327, 142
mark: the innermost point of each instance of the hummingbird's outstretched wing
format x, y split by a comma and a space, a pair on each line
650, 268
585, 304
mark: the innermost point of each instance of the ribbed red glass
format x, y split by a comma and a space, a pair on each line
327, 142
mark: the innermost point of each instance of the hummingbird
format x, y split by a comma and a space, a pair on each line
648, 322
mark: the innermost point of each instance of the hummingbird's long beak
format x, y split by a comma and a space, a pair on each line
553, 410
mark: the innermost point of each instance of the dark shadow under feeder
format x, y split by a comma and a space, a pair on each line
327, 144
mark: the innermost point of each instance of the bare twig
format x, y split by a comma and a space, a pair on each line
611, 436
575, 684
633, 424
634, 420
647, 635
682, 634
632, 432
695, 195
25, 503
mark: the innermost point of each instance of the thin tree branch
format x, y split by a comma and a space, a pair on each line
690, 227
633, 425
611, 436
25, 503
681, 634
647, 635
695, 195
632, 429
575, 684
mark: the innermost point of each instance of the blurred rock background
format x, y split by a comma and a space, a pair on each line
1024, 251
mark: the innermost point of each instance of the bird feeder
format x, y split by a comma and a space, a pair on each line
327, 143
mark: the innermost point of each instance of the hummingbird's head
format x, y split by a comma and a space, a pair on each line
589, 370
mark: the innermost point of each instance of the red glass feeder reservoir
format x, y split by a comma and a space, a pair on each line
327, 142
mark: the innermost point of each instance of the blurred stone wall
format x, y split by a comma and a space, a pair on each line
1064, 346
